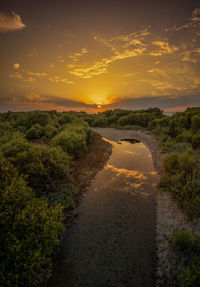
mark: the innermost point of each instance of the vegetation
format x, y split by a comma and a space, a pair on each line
179, 136
188, 244
37, 154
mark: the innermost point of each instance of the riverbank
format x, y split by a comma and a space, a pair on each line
86, 167
169, 217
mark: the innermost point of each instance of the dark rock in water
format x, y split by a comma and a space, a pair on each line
130, 140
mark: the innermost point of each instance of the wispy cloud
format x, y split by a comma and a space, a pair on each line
32, 76
75, 56
11, 22
192, 24
162, 48
122, 47
16, 76
38, 74
58, 80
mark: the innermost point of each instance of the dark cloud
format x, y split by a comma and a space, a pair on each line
160, 102
33, 100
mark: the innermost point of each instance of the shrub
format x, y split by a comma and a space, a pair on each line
191, 275
171, 163
43, 167
183, 241
100, 122
195, 123
30, 230
71, 142
196, 141
35, 132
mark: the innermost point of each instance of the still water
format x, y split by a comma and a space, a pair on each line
112, 240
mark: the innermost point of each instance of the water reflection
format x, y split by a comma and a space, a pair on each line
112, 241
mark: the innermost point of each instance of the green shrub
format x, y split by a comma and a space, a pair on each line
43, 167
191, 275
185, 136
71, 141
30, 230
195, 123
183, 241
171, 163
35, 132
196, 141
100, 122
192, 207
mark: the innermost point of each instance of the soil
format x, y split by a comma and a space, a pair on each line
86, 167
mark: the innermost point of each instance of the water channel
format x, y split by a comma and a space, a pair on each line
111, 243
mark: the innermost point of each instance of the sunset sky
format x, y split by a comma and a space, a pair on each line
94, 55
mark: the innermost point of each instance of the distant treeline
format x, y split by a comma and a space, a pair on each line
37, 153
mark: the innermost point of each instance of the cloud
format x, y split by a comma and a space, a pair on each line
122, 47
75, 56
162, 48
38, 74
33, 100
16, 66
196, 12
192, 24
31, 77
163, 102
16, 76
100, 67
58, 79
11, 22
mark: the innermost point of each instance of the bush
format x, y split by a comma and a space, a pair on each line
191, 276
195, 123
30, 230
183, 241
171, 163
100, 122
35, 132
43, 167
71, 141
196, 141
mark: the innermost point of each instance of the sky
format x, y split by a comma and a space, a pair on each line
89, 55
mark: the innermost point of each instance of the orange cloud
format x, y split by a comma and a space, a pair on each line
162, 47
11, 22
16, 65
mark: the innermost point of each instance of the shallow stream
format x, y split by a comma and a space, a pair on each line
111, 243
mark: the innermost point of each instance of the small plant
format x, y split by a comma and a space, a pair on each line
183, 241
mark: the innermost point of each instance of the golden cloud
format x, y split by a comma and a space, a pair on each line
11, 22
38, 74
162, 47
16, 65
58, 79
122, 46
16, 76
